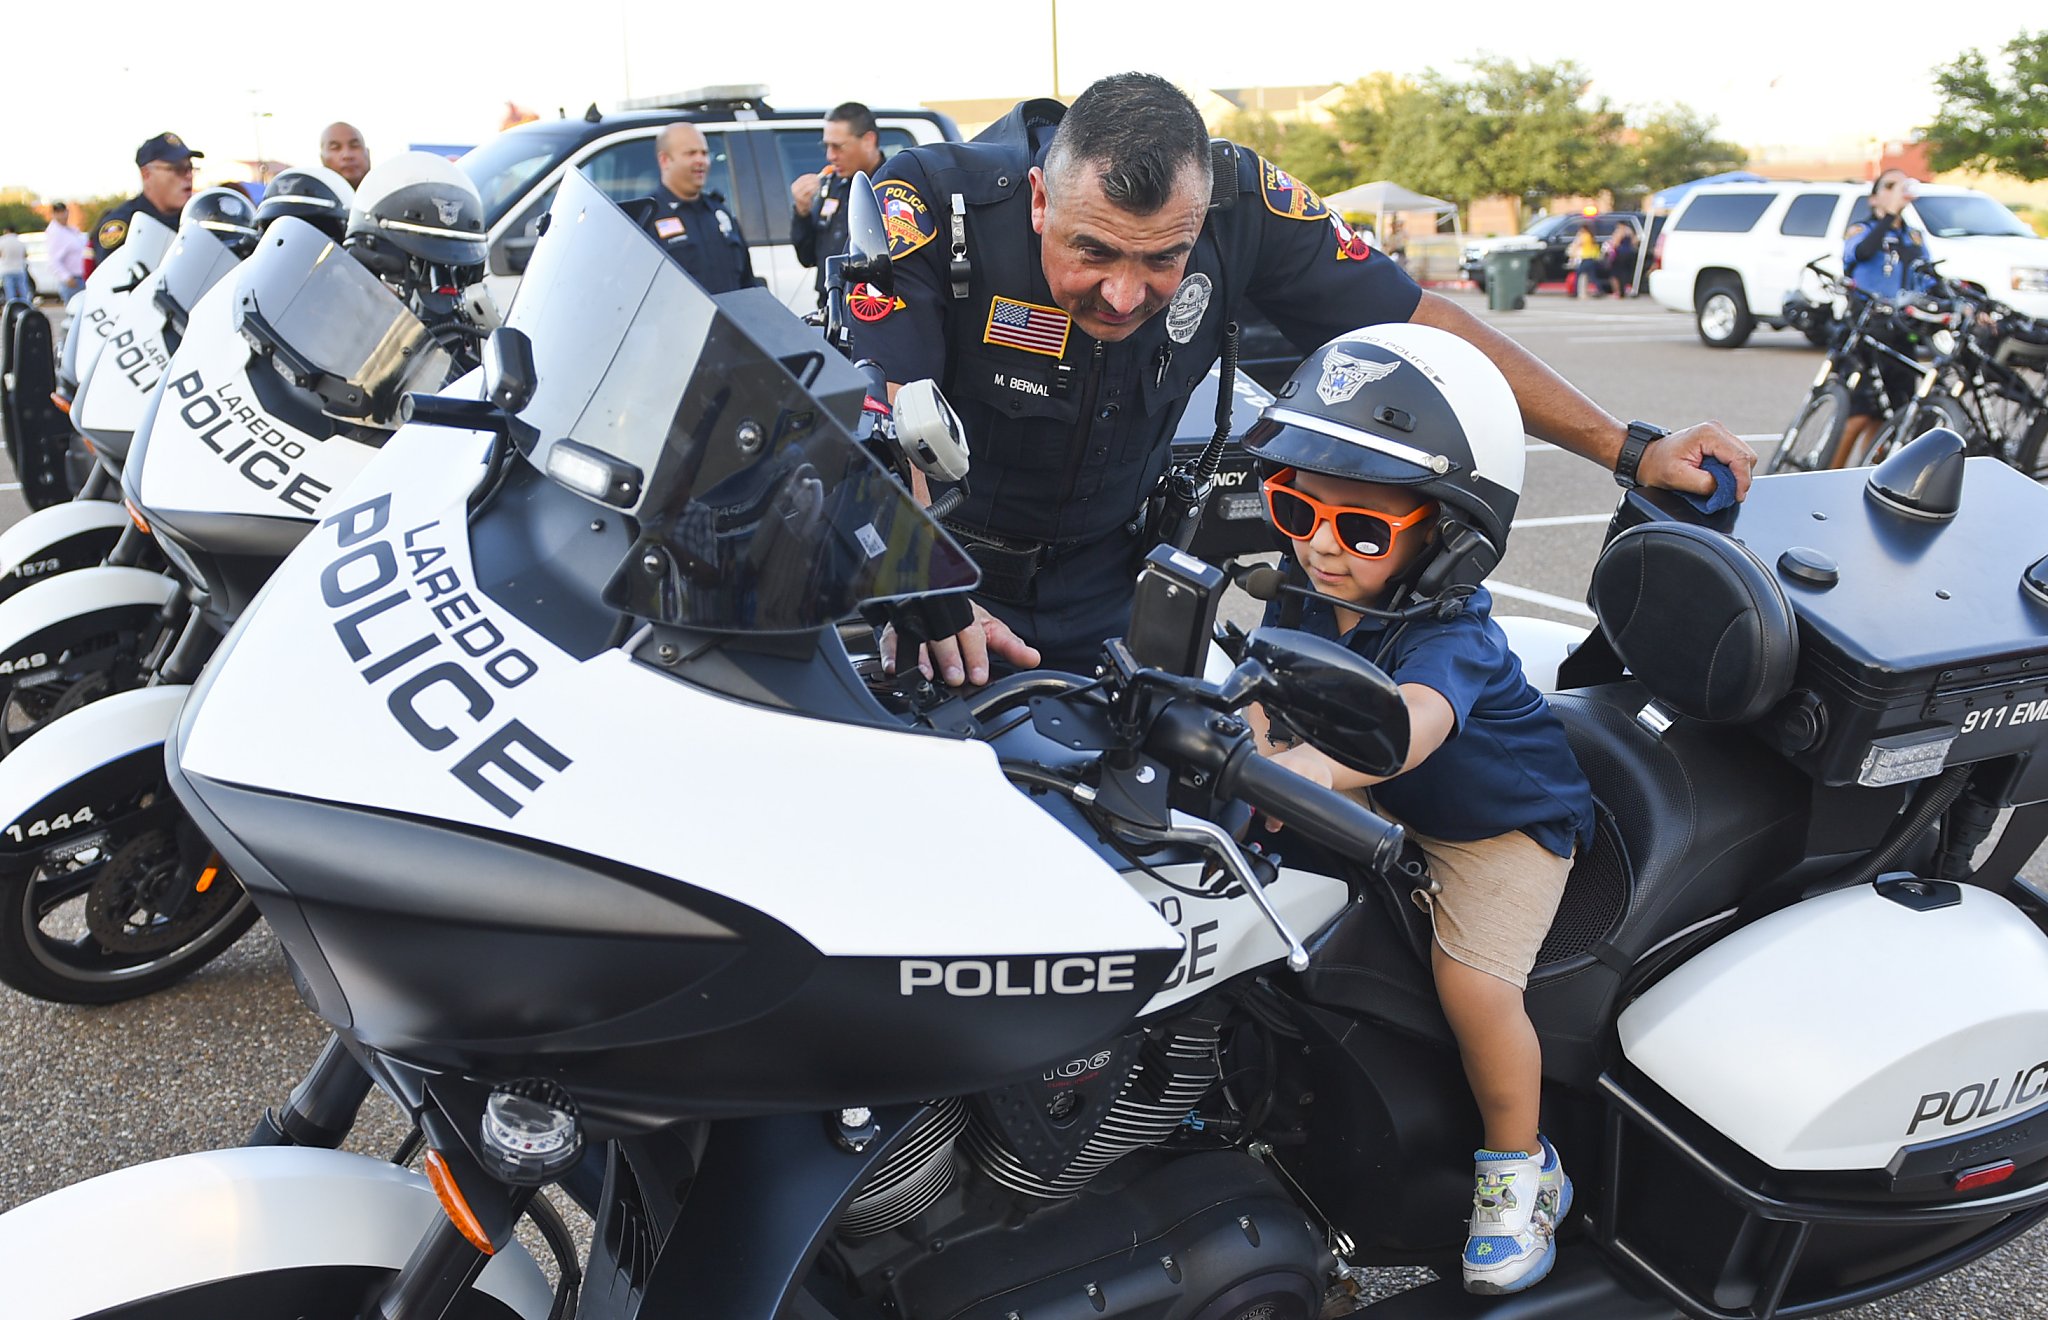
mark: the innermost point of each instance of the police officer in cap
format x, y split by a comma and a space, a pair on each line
1066, 278
166, 165
852, 146
697, 227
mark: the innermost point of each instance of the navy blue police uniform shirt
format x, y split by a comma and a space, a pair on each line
1506, 765
1883, 264
1070, 435
704, 237
112, 229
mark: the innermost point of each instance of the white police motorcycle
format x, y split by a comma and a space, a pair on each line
66, 532
560, 675
286, 381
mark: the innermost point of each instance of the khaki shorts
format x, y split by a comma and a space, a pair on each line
1491, 901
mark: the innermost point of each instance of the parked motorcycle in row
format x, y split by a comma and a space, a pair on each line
285, 383
561, 666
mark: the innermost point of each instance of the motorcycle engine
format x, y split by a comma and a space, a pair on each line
1201, 1236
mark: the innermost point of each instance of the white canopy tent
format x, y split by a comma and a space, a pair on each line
1384, 198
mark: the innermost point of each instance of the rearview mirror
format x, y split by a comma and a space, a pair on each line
867, 239
508, 369
1344, 705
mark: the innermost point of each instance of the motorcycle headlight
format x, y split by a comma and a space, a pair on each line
2029, 279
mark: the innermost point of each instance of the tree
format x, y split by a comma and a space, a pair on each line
1990, 123
18, 208
1310, 152
1672, 144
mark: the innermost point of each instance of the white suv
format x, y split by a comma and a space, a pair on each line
1734, 254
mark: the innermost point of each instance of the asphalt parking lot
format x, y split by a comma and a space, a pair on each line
83, 1091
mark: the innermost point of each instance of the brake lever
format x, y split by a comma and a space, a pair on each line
1218, 843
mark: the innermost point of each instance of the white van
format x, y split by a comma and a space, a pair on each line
1733, 254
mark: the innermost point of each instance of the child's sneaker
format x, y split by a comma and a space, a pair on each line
1554, 1197
1510, 1246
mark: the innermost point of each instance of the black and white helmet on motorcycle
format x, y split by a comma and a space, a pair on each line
418, 209
1409, 405
226, 214
314, 194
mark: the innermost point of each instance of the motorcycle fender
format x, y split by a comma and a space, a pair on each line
76, 534
183, 1223
1834, 1033
94, 758
1541, 645
45, 617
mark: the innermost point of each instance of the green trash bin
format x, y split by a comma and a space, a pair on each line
1507, 279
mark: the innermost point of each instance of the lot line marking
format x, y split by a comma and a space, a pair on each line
1543, 598
1565, 520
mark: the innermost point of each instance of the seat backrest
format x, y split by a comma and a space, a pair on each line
1698, 619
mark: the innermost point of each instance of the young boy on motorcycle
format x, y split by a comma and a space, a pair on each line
1393, 463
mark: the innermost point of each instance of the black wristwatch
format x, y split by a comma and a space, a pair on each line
1633, 442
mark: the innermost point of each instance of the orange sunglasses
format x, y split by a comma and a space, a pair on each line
1366, 533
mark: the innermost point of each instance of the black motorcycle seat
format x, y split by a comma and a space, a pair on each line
1698, 618
1691, 822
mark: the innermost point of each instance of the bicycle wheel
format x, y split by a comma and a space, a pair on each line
1811, 442
2028, 455
1935, 411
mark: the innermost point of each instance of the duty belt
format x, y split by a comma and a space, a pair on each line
1007, 565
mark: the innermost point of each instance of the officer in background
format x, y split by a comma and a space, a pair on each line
1100, 267
1884, 257
342, 150
695, 225
165, 163
819, 227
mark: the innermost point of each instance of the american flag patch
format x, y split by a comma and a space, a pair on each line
1027, 326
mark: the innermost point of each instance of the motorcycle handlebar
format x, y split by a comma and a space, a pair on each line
461, 414
1323, 814
1220, 744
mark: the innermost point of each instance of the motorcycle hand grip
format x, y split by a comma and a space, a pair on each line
461, 414
1323, 814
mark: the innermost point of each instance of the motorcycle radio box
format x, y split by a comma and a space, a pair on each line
1923, 641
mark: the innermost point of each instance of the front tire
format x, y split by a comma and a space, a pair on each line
1721, 314
1811, 442
1935, 411
97, 921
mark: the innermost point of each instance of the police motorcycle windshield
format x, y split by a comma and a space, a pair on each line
333, 328
195, 264
757, 511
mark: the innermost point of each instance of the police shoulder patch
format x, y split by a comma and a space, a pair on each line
909, 222
112, 232
1288, 196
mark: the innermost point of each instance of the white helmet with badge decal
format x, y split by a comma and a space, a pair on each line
418, 209
1409, 405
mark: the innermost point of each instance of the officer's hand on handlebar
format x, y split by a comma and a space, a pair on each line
963, 657
1674, 461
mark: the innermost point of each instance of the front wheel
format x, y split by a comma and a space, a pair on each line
1931, 413
1722, 316
1811, 442
118, 912
2031, 454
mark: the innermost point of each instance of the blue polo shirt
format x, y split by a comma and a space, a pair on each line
1506, 765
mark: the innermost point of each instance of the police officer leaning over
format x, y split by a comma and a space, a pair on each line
852, 146
1033, 268
166, 166
696, 226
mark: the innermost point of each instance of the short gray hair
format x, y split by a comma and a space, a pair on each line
1140, 133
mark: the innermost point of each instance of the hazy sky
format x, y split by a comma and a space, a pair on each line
1773, 73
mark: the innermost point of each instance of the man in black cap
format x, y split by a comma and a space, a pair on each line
166, 165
